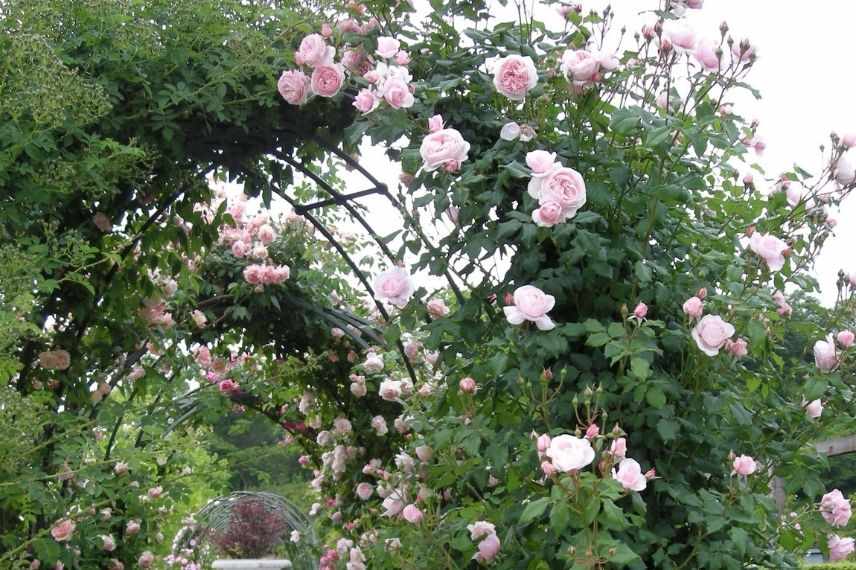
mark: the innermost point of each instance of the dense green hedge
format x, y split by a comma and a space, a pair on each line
833, 566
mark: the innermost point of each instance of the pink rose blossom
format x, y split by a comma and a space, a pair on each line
743, 465
390, 390
365, 101
640, 311
442, 148
240, 249
710, 334
435, 123
562, 185
680, 35
542, 443
387, 47
549, 214
835, 508
107, 543
365, 491
846, 338
569, 453
481, 529
592, 431
402, 58
541, 163
737, 348
314, 51
770, 248
379, 425
509, 131
146, 559
531, 304
293, 86
468, 385
630, 475
488, 549
619, 447
437, 308
373, 363
580, 66
394, 286
397, 93
412, 514
228, 386
327, 79
62, 530
839, 548
814, 409
515, 76
132, 528
693, 307
825, 355
705, 54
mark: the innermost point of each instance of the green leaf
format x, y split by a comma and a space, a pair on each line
534, 510
668, 429
560, 517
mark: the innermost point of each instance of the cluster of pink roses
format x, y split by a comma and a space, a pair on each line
770, 248
560, 191
443, 147
154, 312
836, 511
326, 78
489, 544
825, 352
257, 274
389, 80
585, 68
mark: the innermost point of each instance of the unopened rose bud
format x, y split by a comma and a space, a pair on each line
640, 311
547, 374
592, 431
723, 28
405, 178
665, 46
701, 293
748, 180
750, 230
509, 299
547, 468
467, 385
650, 474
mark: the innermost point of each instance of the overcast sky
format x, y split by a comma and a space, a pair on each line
803, 71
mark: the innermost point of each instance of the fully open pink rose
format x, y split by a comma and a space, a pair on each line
630, 475
443, 147
394, 286
365, 491
693, 307
846, 338
710, 334
294, 86
743, 465
515, 76
569, 453
839, 548
562, 185
580, 65
365, 101
549, 214
314, 51
397, 93
835, 508
531, 304
390, 390
387, 47
481, 529
437, 308
327, 79
680, 34
770, 248
541, 163
62, 530
825, 355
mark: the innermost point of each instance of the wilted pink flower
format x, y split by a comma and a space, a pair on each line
743, 465
737, 348
228, 386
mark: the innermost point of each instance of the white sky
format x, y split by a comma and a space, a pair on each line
803, 71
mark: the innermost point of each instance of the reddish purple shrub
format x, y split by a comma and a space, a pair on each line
254, 530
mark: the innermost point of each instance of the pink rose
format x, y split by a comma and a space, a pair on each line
515, 76
55, 359
412, 514
548, 215
542, 443
845, 170
327, 79
481, 529
541, 163
365, 491
107, 543
132, 528
397, 93
387, 47
392, 505
468, 385
435, 123
619, 447
737, 348
693, 307
365, 101
355, 61
531, 304
710, 334
846, 338
839, 548
814, 409
379, 425
62, 530
705, 53
695, 4
592, 431
488, 549
228, 386
240, 249
402, 58
390, 390
569, 453
293, 86
640, 311
835, 508
120, 469
373, 363
314, 51
443, 147
580, 65
770, 248
437, 308
630, 475
266, 234
680, 35
394, 286
146, 559
825, 356
743, 465
562, 185
509, 131
849, 139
